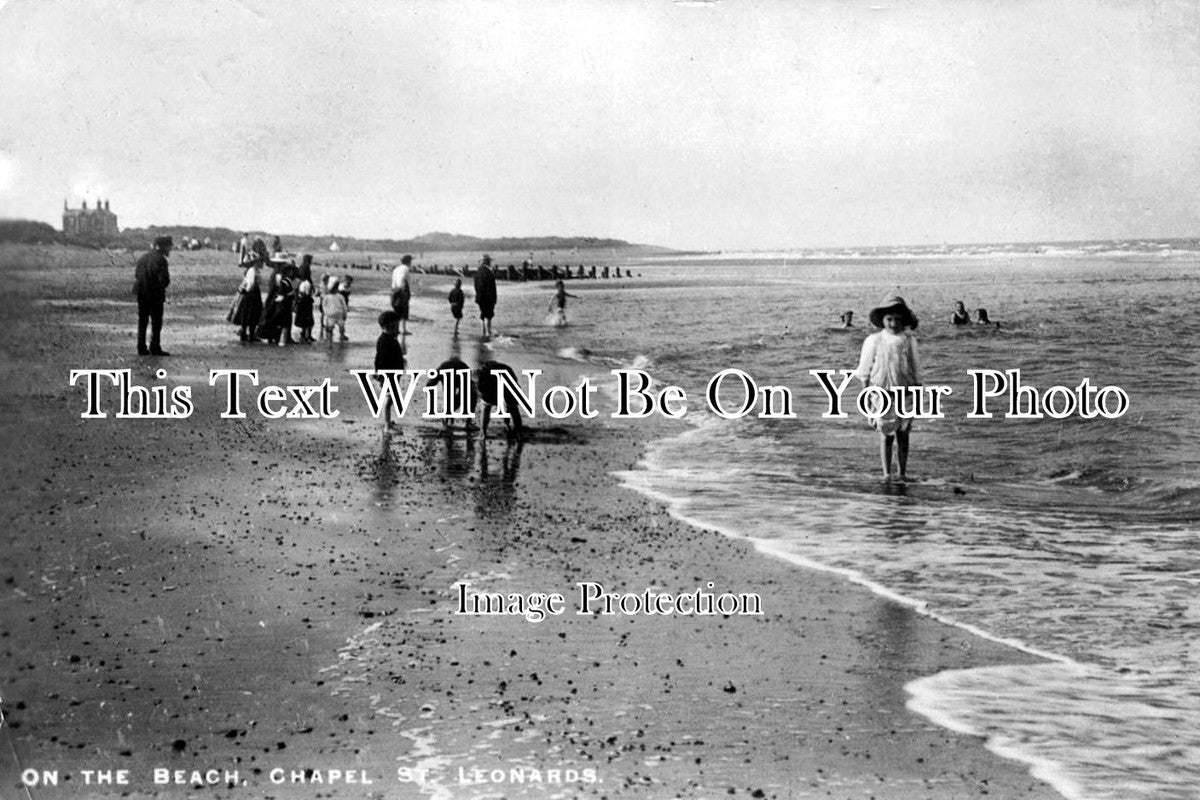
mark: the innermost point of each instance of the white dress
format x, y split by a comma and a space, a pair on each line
887, 360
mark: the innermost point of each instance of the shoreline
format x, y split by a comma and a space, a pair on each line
157, 562
770, 549
923, 691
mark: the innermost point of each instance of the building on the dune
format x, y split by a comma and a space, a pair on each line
89, 221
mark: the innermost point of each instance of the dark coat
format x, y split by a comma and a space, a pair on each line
485, 287
151, 277
388, 352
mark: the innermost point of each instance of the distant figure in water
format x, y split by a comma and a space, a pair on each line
558, 304
983, 317
960, 315
848, 319
888, 360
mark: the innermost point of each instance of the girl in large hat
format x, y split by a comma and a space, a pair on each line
889, 359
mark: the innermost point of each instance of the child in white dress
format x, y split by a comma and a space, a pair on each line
889, 359
333, 311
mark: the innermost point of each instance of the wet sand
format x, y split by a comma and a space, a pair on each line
276, 598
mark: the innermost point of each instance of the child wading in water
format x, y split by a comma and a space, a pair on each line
889, 359
558, 305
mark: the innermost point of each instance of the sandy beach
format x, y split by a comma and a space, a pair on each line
272, 604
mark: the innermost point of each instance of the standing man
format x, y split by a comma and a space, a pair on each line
402, 292
150, 282
485, 294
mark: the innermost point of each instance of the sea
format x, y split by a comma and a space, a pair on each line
1077, 539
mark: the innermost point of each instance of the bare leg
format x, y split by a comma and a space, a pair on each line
885, 455
902, 452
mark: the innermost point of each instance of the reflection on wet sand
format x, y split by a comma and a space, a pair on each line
454, 457
495, 491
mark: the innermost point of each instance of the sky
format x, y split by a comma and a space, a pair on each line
693, 125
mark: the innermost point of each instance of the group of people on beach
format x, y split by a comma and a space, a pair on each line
484, 385
486, 296
292, 296
888, 358
294, 300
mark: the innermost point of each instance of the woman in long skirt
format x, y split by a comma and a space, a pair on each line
304, 301
248, 307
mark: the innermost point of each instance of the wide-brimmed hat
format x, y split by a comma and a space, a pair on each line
893, 304
163, 241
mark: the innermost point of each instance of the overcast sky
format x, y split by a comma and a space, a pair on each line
719, 126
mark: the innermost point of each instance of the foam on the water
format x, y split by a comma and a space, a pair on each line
655, 466
1072, 540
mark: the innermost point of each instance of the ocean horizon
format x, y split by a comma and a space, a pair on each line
1072, 539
